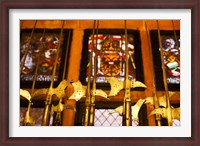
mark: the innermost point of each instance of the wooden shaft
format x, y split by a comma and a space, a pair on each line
168, 106
155, 98
69, 113
46, 115
27, 115
127, 100
92, 106
87, 114
92, 114
66, 56
88, 95
33, 85
37, 67
57, 118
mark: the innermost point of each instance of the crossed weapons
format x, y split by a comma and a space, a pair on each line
116, 87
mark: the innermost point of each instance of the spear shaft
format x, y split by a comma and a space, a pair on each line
168, 106
66, 55
92, 106
46, 115
127, 100
34, 80
88, 94
57, 119
155, 98
176, 39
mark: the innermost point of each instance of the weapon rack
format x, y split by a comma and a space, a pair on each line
75, 68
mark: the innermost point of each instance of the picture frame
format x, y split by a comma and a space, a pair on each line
6, 81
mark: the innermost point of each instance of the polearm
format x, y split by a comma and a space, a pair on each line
92, 105
27, 119
66, 54
127, 119
88, 92
26, 52
168, 106
57, 119
155, 98
46, 115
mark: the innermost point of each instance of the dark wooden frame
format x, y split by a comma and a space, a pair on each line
193, 5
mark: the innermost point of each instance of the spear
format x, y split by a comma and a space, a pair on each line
28, 120
92, 105
127, 119
88, 92
57, 109
155, 98
46, 115
168, 106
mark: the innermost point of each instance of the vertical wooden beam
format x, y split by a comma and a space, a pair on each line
68, 115
148, 76
75, 55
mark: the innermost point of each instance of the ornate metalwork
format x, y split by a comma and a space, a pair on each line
117, 85
25, 94
46, 115
161, 100
175, 112
27, 120
134, 109
59, 91
79, 91
167, 111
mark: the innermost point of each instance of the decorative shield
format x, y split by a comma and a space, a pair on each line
111, 61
